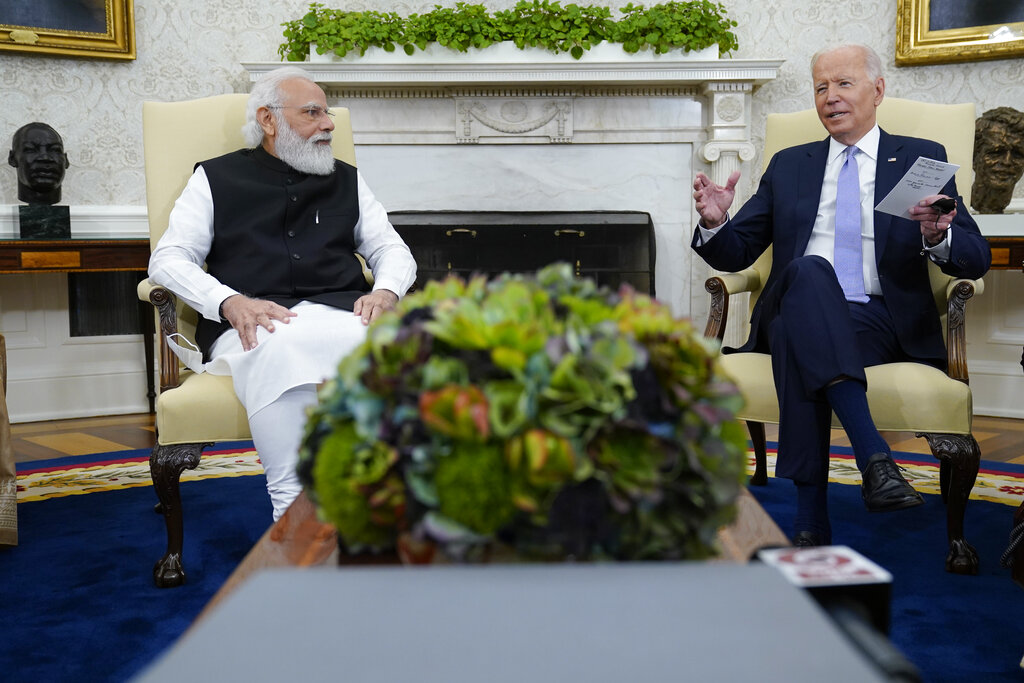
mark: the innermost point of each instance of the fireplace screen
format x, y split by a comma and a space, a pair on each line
610, 247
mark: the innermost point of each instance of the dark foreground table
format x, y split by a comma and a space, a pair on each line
300, 539
513, 623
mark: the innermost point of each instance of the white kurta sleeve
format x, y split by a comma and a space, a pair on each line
377, 241
177, 261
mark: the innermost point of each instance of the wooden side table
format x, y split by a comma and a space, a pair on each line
1007, 252
87, 254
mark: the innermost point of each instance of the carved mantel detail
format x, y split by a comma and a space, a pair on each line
729, 131
513, 117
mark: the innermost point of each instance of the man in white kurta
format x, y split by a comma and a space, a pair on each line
284, 299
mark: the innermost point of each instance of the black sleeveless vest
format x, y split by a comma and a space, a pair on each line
282, 235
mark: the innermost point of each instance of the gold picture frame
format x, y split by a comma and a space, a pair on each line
917, 43
104, 29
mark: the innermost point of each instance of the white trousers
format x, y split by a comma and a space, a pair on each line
276, 433
277, 380
305, 350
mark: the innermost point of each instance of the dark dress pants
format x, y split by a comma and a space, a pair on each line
815, 336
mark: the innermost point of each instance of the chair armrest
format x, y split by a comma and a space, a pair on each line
979, 287
720, 287
144, 289
165, 306
958, 292
748, 280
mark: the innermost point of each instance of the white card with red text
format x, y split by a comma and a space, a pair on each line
830, 565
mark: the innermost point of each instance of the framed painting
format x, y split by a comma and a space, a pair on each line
104, 29
944, 31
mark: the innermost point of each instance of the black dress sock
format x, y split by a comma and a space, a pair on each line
849, 400
812, 511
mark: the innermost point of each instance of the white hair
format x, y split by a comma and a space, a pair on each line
267, 93
872, 62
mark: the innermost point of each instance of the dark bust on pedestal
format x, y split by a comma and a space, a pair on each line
37, 152
998, 158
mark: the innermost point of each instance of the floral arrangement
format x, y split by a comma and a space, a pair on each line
538, 414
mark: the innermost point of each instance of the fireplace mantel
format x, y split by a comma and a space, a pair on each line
542, 74
723, 87
547, 135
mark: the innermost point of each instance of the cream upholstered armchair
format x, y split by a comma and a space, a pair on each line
192, 411
903, 397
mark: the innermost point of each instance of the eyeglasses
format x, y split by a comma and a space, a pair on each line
312, 112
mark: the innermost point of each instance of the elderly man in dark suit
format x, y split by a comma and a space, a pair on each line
849, 286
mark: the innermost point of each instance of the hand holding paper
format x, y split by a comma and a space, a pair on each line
925, 178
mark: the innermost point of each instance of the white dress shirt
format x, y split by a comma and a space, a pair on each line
823, 234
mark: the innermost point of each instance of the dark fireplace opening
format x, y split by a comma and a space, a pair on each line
611, 247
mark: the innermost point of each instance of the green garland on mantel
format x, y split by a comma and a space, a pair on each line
689, 25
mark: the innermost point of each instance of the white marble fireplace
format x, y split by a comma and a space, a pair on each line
553, 136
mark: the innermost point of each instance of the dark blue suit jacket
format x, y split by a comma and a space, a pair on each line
782, 213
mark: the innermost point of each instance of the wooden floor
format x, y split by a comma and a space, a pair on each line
1001, 439
60, 438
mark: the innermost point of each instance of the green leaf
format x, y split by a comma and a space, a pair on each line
421, 485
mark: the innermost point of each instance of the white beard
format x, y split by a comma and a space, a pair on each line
304, 154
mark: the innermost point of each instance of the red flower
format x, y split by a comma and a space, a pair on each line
459, 412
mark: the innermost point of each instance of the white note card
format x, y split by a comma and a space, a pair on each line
926, 177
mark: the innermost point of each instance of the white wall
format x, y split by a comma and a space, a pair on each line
193, 48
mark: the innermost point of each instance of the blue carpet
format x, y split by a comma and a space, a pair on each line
78, 603
77, 598
953, 628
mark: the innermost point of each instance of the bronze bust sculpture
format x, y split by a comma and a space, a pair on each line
998, 158
37, 151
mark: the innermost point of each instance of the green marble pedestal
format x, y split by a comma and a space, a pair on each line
43, 221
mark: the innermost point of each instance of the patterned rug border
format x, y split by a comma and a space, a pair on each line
994, 485
58, 481
78, 475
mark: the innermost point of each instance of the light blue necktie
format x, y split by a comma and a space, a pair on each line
848, 259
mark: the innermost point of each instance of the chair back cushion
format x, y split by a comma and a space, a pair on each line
950, 124
178, 135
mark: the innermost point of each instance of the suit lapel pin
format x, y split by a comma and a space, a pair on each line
892, 158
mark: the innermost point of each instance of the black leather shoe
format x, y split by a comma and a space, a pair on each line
807, 539
884, 488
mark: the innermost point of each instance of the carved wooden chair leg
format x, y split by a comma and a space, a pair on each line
166, 463
757, 438
960, 455
1015, 557
944, 474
